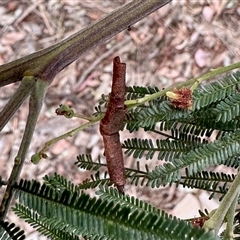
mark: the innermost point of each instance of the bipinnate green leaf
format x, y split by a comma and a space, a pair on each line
112, 217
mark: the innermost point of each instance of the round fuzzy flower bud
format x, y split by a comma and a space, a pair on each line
181, 98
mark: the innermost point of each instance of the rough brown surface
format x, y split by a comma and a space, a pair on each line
180, 41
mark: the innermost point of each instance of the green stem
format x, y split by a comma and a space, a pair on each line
216, 220
218, 71
230, 220
198, 80
16, 100
46, 63
35, 105
82, 116
48, 144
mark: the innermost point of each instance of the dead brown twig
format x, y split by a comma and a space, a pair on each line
112, 123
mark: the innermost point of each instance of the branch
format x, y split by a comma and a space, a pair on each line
217, 219
230, 220
35, 105
23, 91
112, 123
47, 63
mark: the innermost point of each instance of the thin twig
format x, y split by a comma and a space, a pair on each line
30, 9
71, 133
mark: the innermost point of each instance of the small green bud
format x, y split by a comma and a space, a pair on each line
35, 158
65, 110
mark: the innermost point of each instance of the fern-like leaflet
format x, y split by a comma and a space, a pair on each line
135, 92
213, 182
59, 183
86, 162
164, 148
77, 215
197, 160
96, 180
229, 108
216, 91
41, 225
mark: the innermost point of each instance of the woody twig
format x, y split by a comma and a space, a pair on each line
112, 123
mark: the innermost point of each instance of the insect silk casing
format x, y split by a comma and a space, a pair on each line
112, 123
114, 157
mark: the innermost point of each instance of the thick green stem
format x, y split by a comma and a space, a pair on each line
47, 63
16, 100
216, 220
35, 105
